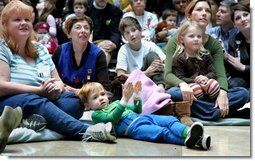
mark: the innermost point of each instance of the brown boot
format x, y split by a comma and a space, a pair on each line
168, 109
182, 110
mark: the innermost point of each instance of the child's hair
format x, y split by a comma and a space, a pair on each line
81, 2
88, 88
73, 20
169, 12
72, 3
132, 1
128, 21
41, 25
183, 30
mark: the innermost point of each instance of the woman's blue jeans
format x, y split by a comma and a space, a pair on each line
204, 109
61, 115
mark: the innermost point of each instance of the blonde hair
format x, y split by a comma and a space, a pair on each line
19, 8
88, 88
183, 30
49, 7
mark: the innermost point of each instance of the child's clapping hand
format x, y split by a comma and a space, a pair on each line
137, 89
127, 92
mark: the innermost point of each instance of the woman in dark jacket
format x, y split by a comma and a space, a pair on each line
237, 61
79, 61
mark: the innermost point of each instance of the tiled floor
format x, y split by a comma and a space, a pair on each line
226, 141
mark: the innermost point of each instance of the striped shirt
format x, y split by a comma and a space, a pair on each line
23, 72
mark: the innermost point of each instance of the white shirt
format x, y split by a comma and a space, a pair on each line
130, 60
148, 22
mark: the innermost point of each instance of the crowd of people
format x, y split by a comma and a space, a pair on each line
55, 63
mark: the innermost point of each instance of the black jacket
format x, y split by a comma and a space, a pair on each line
244, 48
106, 22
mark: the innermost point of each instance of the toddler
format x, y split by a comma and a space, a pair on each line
128, 122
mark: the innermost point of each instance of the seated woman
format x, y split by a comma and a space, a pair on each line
79, 61
228, 101
237, 60
29, 79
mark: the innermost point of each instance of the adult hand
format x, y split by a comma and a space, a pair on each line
222, 103
235, 62
50, 90
187, 93
70, 89
108, 45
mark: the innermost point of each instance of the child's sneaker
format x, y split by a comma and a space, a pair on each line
195, 134
205, 142
100, 132
35, 122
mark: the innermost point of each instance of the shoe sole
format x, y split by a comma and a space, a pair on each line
206, 142
19, 115
111, 134
36, 119
196, 134
9, 120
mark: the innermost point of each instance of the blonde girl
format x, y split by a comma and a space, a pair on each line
193, 63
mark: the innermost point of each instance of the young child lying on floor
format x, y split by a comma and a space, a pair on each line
128, 122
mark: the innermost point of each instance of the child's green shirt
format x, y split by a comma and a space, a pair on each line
115, 112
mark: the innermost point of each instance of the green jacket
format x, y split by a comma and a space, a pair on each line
216, 50
115, 112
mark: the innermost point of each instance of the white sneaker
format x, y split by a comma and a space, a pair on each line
100, 132
195, 134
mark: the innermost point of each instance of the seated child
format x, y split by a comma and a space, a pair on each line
166, 28
193, 63
42, 32
139, 54
79, 8
128, 122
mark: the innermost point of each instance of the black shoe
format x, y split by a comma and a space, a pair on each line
35, 122
195, 134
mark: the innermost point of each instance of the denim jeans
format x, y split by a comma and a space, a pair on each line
157, 128
124, 123
61, 115
204, 109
